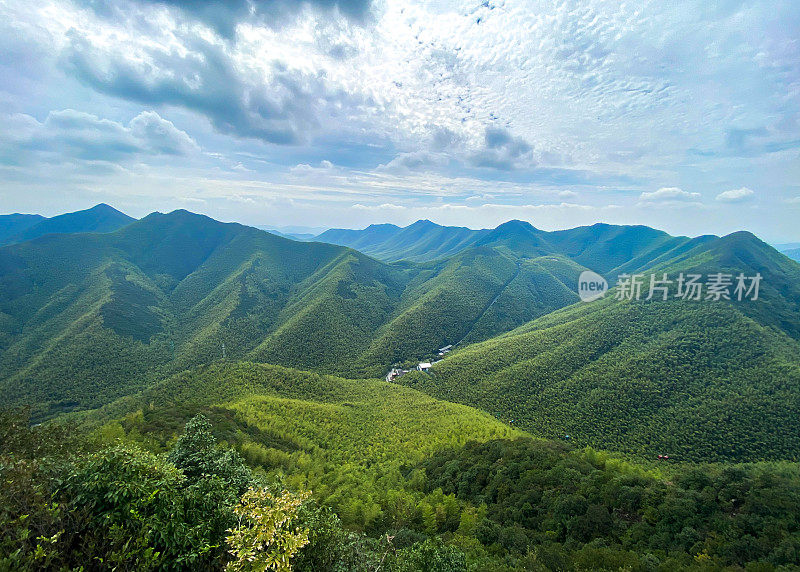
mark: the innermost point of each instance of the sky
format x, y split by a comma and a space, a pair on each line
681, 115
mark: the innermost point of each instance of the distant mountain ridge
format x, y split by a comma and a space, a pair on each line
605, 248
421, 241
99, 218
794, 254
13, 224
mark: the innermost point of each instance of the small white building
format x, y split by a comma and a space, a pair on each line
424, 366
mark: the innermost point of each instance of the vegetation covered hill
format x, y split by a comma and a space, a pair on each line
352, 442
421, 241
701, 380
604, 248
398, 480
175, 290
99, 218
13, 224
698, 382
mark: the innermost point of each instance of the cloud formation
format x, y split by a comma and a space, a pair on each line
224, 16
78, 135
281, 107
736, 195
502, 150
668, 196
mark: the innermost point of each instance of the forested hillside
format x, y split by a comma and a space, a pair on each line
146, 327
175, 290
367, 475
420, 242
13, 224
699, 382
350, 441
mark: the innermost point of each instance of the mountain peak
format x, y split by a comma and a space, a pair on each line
99, 218
423, 223
516, 225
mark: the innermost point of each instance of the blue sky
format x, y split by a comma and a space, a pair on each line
680, 115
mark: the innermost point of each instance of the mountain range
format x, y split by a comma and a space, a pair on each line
131, 306
793, 253
99, 218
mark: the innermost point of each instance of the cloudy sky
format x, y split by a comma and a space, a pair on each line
680, 115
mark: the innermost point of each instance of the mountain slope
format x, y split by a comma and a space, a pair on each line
420, 242
175, 290
327, 432
388, 459
129, 306
698, 382
13, 224
702, 380
100, 218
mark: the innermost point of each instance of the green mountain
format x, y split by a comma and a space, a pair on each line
171, 291
698, 380
363, 240
326, 431
604, 248
99, 218
144, 327
13, 224
360, 445
794, 254
422, 241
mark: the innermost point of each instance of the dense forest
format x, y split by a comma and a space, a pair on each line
697, 382
523, 504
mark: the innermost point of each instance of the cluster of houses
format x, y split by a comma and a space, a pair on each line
423, 366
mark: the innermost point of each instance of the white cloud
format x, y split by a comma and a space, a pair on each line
70, 134
414, 161
669, 195
736, 195
304, 169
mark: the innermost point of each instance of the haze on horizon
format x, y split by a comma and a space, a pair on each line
342, 113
